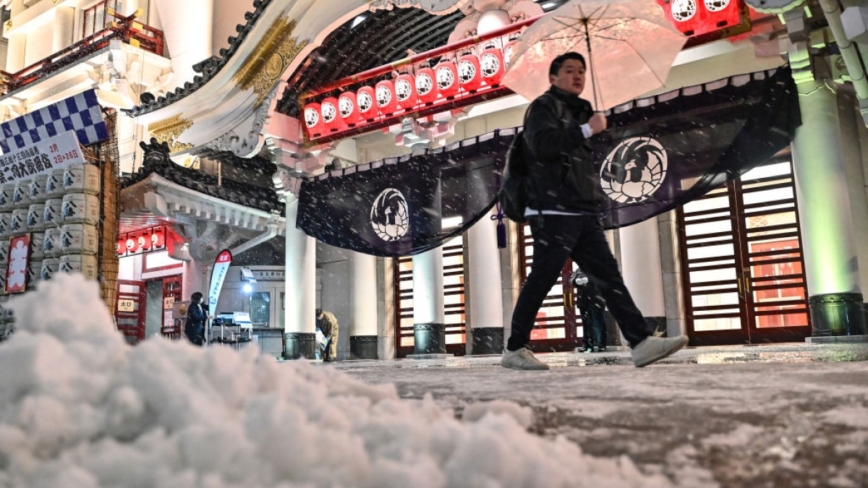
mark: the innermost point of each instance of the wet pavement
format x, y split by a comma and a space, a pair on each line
782, 415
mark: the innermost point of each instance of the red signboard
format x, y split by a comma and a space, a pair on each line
19, 261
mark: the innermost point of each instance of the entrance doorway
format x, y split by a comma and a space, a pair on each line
453, 291
742, 263
130, 310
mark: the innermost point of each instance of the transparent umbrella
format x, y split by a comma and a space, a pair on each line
628, 44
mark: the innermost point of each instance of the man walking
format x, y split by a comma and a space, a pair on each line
564, 197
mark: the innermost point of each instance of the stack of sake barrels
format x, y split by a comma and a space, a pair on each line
36, 198
52, 222
79, 213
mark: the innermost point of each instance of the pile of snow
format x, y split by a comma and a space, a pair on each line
81, 409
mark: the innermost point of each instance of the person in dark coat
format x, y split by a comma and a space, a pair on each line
564, 199
194, 328
592, 308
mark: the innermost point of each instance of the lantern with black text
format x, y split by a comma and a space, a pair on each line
366, 103
405, 91
469, 72
122, 246
313, 121
492, 66
144, 241
387, 103
509, 50
333, 122
699, 18
158, 239
447, 79
426, 86
348, 110
132, 244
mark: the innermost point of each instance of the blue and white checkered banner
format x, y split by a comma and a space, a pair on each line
80, 114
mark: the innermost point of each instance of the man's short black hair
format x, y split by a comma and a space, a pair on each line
559, 61
318, 312
196, 296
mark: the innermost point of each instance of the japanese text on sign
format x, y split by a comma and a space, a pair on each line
41, 158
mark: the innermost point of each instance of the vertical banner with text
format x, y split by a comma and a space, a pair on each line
218, 274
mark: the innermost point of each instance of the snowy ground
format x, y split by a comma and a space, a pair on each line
794, 415
79, 408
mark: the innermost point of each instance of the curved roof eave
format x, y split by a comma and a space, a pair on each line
235, 93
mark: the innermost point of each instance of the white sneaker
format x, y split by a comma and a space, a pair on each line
654, 348
522, 359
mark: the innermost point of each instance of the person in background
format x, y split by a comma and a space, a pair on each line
328, 324
592, 307
194, 328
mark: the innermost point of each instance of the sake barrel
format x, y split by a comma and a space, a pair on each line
37, 241
50, 267
81, 177
37, 188
18, 224
4, 252
79, 263
35, 216
51, 214
34, 272
3, 280
6, 193
80, 208
78, 239
5, 223
54, 184
21, 194
51, 241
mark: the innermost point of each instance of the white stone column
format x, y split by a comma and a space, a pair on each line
642, 269
831, 262
300, 324
64, 28
194, 278
483, 279
188, 26
429, 317
363, 307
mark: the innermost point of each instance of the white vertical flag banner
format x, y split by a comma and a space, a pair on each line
218, 274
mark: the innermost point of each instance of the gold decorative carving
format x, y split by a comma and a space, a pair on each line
7, 26
262, 70
169, 130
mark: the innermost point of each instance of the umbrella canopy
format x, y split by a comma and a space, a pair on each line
629, 47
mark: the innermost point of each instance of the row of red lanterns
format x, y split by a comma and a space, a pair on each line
407, 92
153, 239
699, 17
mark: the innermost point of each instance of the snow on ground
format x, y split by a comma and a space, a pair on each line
81, 409
791, 415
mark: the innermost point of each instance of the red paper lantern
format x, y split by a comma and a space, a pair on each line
509, 51
132, 244
158, 239
405, 91
387, 102
447, 79
492, 65
469, 72
426, 86
122, 246
313, 120
366, 102
144, 242
696, 18
348, 109
333, 122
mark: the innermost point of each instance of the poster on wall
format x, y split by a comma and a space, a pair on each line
19, 261
41, 158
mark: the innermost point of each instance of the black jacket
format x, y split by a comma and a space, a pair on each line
563, 174
196, 317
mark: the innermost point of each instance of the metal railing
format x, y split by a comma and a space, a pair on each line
124, 29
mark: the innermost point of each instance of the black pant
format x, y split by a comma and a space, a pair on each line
556, 238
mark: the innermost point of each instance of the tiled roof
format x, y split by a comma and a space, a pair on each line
207, 69
157, 161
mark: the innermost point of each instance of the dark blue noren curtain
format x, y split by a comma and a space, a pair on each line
660, 153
